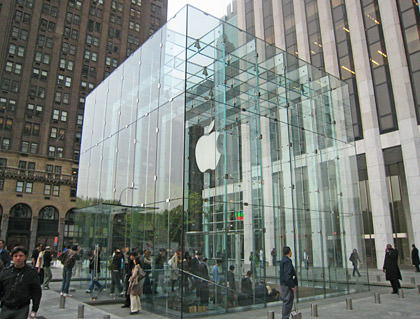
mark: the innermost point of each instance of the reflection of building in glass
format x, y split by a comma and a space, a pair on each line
209, 139
374, 46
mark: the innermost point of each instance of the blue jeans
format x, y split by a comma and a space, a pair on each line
94, 282
67, 272
288, 296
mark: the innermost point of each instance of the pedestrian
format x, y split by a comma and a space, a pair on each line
354, 258
288, 282
391, 269
135, 287
216, 278
68, 259
173, 264
146, 265
47, 267
231, 285
203, 284
35, 253
19, 285
415, 257
160, 261
94, 270
128, 272
246, 285
274, 256
4, 254
39, 266
116, 261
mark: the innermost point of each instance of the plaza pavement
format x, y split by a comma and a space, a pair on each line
392, 306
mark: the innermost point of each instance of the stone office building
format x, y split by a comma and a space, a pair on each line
52, 54
374, 46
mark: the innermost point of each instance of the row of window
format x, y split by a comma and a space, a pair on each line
7, 104
12, 67
17, 49
27, 187
49, 168
19, 33
6, 123
10, 85
44, 41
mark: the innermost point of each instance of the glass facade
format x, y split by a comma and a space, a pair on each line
201, 141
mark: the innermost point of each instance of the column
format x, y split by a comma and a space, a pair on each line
34, 231
404, 106
267, 172
61, 224
301, 30
247, 192
280, 40
328, 38
374, 157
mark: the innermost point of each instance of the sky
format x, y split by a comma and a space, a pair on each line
214, 7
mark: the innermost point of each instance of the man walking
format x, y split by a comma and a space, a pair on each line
391, 269
19, 285
69, 260
47, 267
415, 257
288, 282
354, 258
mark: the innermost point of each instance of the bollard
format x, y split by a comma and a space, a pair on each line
418, 288
378, 278
314, 310
62, 302
80, 312
413, 280
377, 298
107, 317
270, 315
401, 293
349, 304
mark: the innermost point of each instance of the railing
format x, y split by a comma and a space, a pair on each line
38, 176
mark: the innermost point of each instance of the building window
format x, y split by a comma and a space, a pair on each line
63, 116
56, 190
24, 147
5, 144
34, 148
55, 115
2, 184
53, 132
28, 188
19, 186
51, 151
60, 152
47, 189
79, 119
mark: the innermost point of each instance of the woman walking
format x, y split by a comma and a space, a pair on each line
135, 287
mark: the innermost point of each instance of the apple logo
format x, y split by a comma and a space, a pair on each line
206, 153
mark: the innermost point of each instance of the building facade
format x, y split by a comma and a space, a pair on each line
52, 54
222, 143
374, 46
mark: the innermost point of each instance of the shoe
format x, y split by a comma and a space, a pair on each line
122, 294
395, 292
46, 288
125, 306
134, 312
61, 294
67, 295
88, 291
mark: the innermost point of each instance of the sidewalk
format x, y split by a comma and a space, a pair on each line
391, 307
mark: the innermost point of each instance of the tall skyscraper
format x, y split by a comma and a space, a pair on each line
52, 54
373, 45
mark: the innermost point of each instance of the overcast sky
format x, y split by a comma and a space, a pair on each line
214, 7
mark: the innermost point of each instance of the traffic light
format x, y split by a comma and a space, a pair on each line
240, 215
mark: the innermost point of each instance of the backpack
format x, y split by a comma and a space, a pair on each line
69, 260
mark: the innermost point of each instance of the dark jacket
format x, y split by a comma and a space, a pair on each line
415, 257
47, 258
116, 261
19, 286
5, 257
92, 264
354, 258
246, 286
287, 273
194, 265
231, 280
392, 271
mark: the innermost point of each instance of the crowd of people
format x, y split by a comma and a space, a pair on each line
135, 272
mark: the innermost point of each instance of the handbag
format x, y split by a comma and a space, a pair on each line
296, 314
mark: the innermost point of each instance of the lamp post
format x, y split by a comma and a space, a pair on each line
125, 217
124, 189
